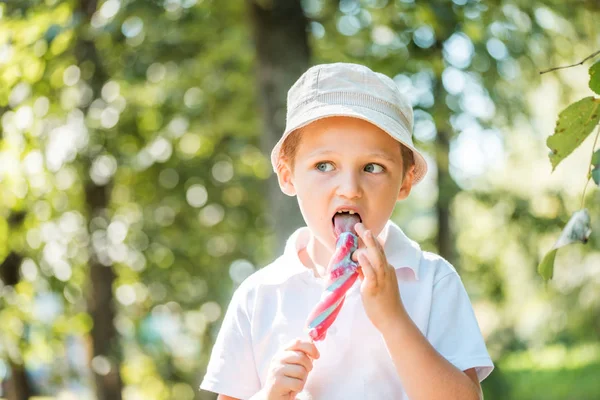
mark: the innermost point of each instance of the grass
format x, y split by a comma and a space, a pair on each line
552, 373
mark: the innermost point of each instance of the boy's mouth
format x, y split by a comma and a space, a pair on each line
344, 221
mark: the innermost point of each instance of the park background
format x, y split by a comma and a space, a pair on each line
136, 191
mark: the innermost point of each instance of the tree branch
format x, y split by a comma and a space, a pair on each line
590, 167
572, 65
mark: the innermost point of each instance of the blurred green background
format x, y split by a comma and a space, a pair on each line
136, 191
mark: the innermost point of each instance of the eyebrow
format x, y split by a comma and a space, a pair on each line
384, 156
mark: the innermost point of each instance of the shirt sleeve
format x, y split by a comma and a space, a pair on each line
231, 369
453, 330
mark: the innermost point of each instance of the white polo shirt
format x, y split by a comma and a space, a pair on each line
270, 308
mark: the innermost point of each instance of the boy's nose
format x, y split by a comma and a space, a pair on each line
349, 186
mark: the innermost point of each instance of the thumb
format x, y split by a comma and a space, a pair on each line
361, 276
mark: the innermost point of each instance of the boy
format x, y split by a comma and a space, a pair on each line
407, 330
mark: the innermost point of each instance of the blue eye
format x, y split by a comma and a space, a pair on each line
376, 165
318, 166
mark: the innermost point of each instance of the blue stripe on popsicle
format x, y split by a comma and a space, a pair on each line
321, 317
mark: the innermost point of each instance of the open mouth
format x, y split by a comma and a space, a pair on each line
344, 221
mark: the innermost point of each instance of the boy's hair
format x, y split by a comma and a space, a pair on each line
290, 146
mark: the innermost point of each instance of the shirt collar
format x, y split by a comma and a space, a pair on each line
402, 253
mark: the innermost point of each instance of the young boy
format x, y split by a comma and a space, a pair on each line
407, 329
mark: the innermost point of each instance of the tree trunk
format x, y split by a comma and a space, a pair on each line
101, 305
105, 341
447, 188
17, 387
100, 300
446, 194
280, 35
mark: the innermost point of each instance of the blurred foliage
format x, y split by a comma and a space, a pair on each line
174, 128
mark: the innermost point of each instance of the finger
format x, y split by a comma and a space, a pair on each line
376, 255
361, 275
292, 344
292, 384
365, 235
297, 357
367, 270
380, 242
294, 371
355, 254
307, 347
370, 240
360, 229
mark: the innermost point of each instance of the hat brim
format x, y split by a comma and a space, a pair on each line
389, 125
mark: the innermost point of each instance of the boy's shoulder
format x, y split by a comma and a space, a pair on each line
286, 266
437, 265
404, 251
273, 274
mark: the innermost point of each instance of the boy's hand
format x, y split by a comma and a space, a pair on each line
379, 287
289, 369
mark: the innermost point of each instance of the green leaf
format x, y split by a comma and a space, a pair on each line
596, 167
596, 176
596, 159
546, 267
595, 77
575, 123
577, 230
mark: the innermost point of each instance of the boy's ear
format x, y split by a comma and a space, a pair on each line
284, 177
407, 184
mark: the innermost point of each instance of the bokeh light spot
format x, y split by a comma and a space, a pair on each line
196, 195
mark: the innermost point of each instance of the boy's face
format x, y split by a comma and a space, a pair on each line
344, 161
